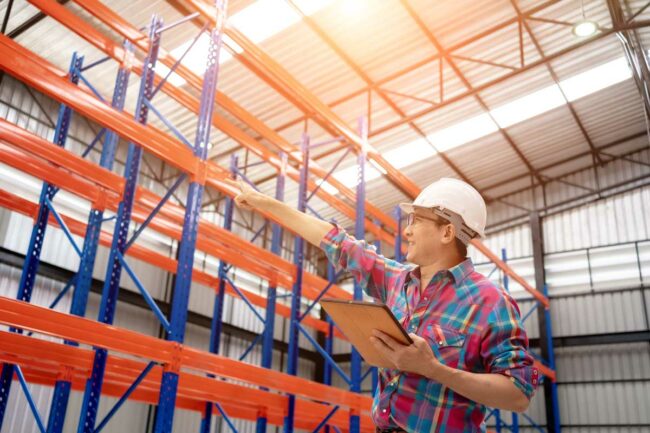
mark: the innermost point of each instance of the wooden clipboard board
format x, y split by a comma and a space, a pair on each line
357, 319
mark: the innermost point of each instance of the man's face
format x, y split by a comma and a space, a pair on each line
425, 238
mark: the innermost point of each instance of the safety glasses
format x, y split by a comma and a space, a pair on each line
410, 219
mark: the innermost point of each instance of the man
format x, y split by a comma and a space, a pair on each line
469, 348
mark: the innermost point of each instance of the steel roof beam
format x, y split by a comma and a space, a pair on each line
449, 59
633, 49
382, 94
566, 160
556, 80
487, 32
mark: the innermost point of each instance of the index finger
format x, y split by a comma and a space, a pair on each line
232, 183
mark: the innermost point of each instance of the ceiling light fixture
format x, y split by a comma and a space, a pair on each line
585, 27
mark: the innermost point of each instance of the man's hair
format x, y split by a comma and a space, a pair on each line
461, 248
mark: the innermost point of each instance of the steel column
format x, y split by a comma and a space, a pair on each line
551, 364
359, 233
187, 247
85, 273
398, 235
545, 338
271, 298
298, 256
33, 256
217, 311
114, 269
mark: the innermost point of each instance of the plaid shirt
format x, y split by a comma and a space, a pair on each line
471, 324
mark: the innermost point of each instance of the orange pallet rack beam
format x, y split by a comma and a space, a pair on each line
173, 355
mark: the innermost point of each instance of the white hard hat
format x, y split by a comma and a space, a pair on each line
452, 195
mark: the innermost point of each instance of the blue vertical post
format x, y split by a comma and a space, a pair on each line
33, 255
59, 403
375, 371
515, 419
298, 256
187, 247
359, 233
398, 235
514, 426
506, 280
217, 312
551, 364
329, 339
111, 287
271, 297
497, 417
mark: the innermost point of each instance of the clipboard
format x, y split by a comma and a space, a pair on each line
357, 319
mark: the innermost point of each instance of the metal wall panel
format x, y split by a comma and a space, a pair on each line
623, 218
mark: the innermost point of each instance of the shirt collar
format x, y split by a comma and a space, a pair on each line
462, 270
458, 272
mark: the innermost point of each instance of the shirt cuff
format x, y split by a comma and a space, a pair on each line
333, 237
527, 385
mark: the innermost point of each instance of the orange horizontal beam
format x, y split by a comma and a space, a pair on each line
25, 66
18, 204
511, 273
42, 320
546, 371
32, 70
211, 238
44, 361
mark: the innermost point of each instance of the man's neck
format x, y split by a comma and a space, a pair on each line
428, 271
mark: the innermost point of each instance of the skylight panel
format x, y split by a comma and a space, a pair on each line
409, 153
348, 176
596, 79
259, 21
529, 106
264, 18
463, 132
511, 113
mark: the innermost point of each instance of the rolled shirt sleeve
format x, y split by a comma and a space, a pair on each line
367, 267
504, 347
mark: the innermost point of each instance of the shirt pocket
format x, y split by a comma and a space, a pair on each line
447, 344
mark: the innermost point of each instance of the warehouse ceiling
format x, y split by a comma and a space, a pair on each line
500, 93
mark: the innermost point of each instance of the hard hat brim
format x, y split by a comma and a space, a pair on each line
407, 207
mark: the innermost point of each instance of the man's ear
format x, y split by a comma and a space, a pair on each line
449, 234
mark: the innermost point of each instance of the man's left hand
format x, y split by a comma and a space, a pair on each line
415, 358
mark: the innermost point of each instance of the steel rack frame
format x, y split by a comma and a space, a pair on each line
178, 387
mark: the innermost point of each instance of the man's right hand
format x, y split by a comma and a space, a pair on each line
310, 228
246, 196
